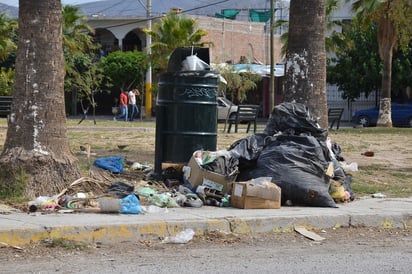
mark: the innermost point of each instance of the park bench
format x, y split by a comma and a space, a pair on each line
5, 105
334, 116
246, 114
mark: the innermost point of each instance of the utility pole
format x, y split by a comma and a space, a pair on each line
272, 62
148, 92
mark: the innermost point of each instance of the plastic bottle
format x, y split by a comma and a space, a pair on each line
226, 200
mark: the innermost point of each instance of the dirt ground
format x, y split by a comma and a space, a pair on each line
388, 171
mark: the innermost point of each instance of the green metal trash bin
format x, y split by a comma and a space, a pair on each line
186, 115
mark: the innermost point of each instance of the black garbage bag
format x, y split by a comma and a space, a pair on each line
120, 189
247, 151
297, 165
295, 119
337, 152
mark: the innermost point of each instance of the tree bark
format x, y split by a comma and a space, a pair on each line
36, 142
305, 80
387, 39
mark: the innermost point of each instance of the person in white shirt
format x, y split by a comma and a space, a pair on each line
132, 103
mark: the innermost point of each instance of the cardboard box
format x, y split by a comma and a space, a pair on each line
250, 194
200, 176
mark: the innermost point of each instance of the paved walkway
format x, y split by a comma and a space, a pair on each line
22, 228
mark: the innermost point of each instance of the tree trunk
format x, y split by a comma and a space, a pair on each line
36, 143
387, 39
305, 80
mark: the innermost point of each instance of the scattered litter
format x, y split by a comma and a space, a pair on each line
130, 205
109, 205
349, 167
378, 195
154, 209
162, 200
139, 166
3, 244
308, 234
182, 237
113, 164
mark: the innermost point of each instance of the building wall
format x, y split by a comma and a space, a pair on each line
233, 39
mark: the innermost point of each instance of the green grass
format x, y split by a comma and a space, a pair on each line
13, 184
373, 130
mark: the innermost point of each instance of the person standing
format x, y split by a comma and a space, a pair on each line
132, 103
123, 107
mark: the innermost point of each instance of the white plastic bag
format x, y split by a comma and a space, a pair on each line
182, 237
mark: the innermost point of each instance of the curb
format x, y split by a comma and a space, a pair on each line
21, 228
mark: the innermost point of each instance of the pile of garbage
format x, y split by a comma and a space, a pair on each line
293, 153
299, 156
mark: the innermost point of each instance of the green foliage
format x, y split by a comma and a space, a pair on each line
8, 36
125, 69
356, 69
240, 84
402, 71
86, 78
76, 32
8, 47
173, 31
331, 6
6, 81
396, 12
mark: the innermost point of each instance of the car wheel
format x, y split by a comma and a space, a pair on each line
364, 120
410, 122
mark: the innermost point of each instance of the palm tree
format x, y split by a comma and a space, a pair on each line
394, 19
305, 80
76, 31
331, 40
173, 31
36, 142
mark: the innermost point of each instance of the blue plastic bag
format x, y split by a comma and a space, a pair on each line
130, 205
113, 163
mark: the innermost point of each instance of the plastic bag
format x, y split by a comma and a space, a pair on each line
294, 117
162, 200
182, 237
130, 205
120, 189
113, 164
297, 164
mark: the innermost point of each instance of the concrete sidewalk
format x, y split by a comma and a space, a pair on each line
22, 228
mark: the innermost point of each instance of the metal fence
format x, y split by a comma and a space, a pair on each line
334, 97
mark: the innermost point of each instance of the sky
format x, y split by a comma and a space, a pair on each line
71, 2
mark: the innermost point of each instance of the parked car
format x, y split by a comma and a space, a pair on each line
225, 108
401, 116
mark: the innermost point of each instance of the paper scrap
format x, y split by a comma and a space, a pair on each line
308, 234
